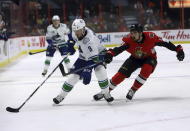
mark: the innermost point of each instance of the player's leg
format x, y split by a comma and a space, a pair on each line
103, 82
63, 51
66, 88
49, 55
70, 82
125, 71
146, 69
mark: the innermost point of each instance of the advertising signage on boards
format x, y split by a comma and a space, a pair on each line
179, 3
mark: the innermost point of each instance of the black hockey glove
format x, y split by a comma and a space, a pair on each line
108, 58
180, 53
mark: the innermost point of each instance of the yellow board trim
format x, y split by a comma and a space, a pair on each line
37, 50
12, 59
8, 61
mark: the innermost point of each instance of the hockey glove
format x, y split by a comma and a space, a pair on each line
4, 36
71, 48
50, 43
108, 57
180, 53
86, 75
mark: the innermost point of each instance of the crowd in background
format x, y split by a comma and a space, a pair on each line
100, 15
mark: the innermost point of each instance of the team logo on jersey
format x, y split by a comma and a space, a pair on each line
151, 35
86, 40
139, 53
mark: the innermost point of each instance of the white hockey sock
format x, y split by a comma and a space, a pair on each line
69, 84
47, 62
111, 85
67, 63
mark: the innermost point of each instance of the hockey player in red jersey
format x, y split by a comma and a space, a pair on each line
143, 55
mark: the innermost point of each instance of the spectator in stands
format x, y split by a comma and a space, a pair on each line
2, 24
3, 31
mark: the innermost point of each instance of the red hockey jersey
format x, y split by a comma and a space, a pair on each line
143, 49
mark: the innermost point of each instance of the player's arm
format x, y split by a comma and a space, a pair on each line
71, 44
67, 30
114, 52
169, 45
49, 36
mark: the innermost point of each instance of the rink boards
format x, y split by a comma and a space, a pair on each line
15, 47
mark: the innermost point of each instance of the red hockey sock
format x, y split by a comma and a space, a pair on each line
146, 70
117, 78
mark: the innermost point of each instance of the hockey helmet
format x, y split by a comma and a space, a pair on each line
136, 27
78, 24
55, 17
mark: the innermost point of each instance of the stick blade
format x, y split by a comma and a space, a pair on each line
9, 109
30, 53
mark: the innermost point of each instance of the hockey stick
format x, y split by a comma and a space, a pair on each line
62, 69
10, 109
32, 53
80, 69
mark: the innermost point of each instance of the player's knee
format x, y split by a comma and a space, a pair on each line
100, 73
117, 78
146, 70
73, 79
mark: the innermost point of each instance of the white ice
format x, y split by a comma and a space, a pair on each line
162, 104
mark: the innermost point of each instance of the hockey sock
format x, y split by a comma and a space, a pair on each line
67, 60
69, 84
66, 88
116, 79
47, 63
104, 85
67, 63
146, 70
112, 86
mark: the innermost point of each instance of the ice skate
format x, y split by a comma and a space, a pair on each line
98, 96
108, 97
44, 72
58, 99
130, 94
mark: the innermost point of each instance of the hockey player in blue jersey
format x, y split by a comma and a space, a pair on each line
90, 51
57, 39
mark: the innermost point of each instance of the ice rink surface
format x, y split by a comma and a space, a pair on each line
162, 104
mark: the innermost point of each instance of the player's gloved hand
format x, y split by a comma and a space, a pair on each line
180, 53
96, 59
108, 57
50, 43
71, 48
4, 36
86, 75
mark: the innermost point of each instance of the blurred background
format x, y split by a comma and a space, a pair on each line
31, 17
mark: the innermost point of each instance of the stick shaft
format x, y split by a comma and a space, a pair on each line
39, 86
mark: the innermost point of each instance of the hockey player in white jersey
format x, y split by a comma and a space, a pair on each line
90, 51
57, 39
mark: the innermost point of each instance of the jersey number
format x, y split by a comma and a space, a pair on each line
89, 48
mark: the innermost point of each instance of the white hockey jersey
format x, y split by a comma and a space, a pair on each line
89, 46
58, 35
